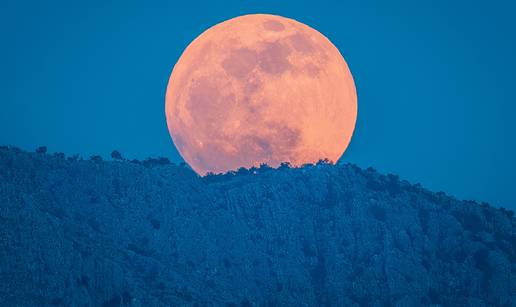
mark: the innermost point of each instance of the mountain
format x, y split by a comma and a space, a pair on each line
79, 232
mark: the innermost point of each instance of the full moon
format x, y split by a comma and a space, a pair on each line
260, 89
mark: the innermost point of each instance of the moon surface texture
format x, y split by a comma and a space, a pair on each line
260, 89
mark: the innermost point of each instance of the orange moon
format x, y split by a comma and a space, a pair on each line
260, 89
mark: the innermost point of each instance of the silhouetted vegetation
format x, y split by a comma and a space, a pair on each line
264, 167
151, 162
96, 158
116, 155
507, 212
149, 233
211, 177
284, 165
41, 150
242, 172
75, 157
83, 281
469, 220
118, 300
324, 161
59, 155
378, 212
155, 223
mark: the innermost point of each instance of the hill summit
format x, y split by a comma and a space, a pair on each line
91, 232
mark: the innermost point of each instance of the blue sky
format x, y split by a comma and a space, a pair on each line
435, 80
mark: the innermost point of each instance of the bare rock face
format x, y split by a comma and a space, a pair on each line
116, 233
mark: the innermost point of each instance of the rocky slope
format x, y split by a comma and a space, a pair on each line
115, 233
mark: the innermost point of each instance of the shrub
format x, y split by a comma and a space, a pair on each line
123, 299
378, 212
242, 171
41, 150
162, 161
264, 167
324, 161
115, 154
211, 177
284, 165
150, 162
59, 155
96, 158
155, 223
371, 169
83, 281
375, 184
74, 157
507, 212
481, 258
393, 184
469, 220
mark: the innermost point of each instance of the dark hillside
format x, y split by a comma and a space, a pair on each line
115, 233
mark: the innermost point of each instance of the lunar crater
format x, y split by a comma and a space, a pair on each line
273, 58
273, 25
240, 62
302, 43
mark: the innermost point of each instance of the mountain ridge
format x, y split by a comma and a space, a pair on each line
114, 233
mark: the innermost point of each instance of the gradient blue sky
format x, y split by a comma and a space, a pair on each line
435, 80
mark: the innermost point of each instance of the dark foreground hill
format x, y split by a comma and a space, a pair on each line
116, 233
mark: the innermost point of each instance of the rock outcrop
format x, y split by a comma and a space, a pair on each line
116, 233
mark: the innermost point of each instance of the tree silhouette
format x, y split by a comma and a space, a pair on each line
115, 154
285, 165
41, 150
96, 158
